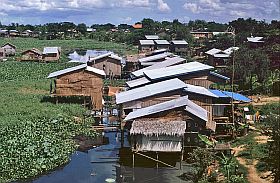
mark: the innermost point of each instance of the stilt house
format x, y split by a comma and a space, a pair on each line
80, 80
51, 54
32, 55
110, 63
151, 60
9, 49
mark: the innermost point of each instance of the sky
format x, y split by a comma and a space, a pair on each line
131, 11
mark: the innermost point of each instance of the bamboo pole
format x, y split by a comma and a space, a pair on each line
155, 160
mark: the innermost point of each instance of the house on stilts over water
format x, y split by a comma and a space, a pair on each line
81, 80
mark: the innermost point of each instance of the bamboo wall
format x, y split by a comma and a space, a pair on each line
51, 57
205, 103
31, 56
81, 83
111, 67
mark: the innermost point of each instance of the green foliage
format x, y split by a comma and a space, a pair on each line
32, 147
35, 135
201, 158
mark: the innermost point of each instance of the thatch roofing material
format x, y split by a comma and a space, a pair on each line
158, 126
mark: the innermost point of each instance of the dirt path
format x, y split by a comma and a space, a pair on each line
252, 175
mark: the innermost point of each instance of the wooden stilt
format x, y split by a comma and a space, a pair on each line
133, 164
56, 100
157, 160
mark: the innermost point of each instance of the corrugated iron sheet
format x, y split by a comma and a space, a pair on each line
137, 82
180, 102
159, 42
176, 70
51, 50
199, 90
146, 42
149, 90
166, 63
213, 51
179, 42
155, 57
71, 69
151, 37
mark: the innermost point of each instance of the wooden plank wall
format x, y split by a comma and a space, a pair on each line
149, 101
109, 65
81, 83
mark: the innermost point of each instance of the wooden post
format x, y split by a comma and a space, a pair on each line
121, 126
133, 164
157, 160
56, 100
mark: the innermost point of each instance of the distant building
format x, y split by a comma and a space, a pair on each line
137, 26
162, 44
179, 46
13, 33
202, 35
31, 55
218, 58
110, 63
146, 45
255, 42
151, 37
51, 54
9, 49
2, 53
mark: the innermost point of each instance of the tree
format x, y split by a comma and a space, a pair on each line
251, 66
82, 28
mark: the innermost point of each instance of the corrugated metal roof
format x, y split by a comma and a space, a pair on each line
237, 96
166, 63
181, 42
149, 90
161, 42
219, 76
146, 42
197, 110
191, 107
95, 70
164, 106
230, 50
51, 50
137, 82
71, 69
159, 51
151, 37
227, 94
110, 54
177, 70
221, 55
199, 90
155, 57
255, 39
213, 51
219, 93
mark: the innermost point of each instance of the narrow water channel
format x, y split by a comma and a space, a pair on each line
110, 162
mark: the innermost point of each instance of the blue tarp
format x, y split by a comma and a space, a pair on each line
227, 94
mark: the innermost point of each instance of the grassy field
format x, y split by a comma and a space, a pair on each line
68, 46
36, 135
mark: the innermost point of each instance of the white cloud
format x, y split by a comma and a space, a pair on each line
163, 6
132, 3
193, 7
237, 13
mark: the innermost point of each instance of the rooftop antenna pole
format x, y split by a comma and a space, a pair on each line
233, 70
